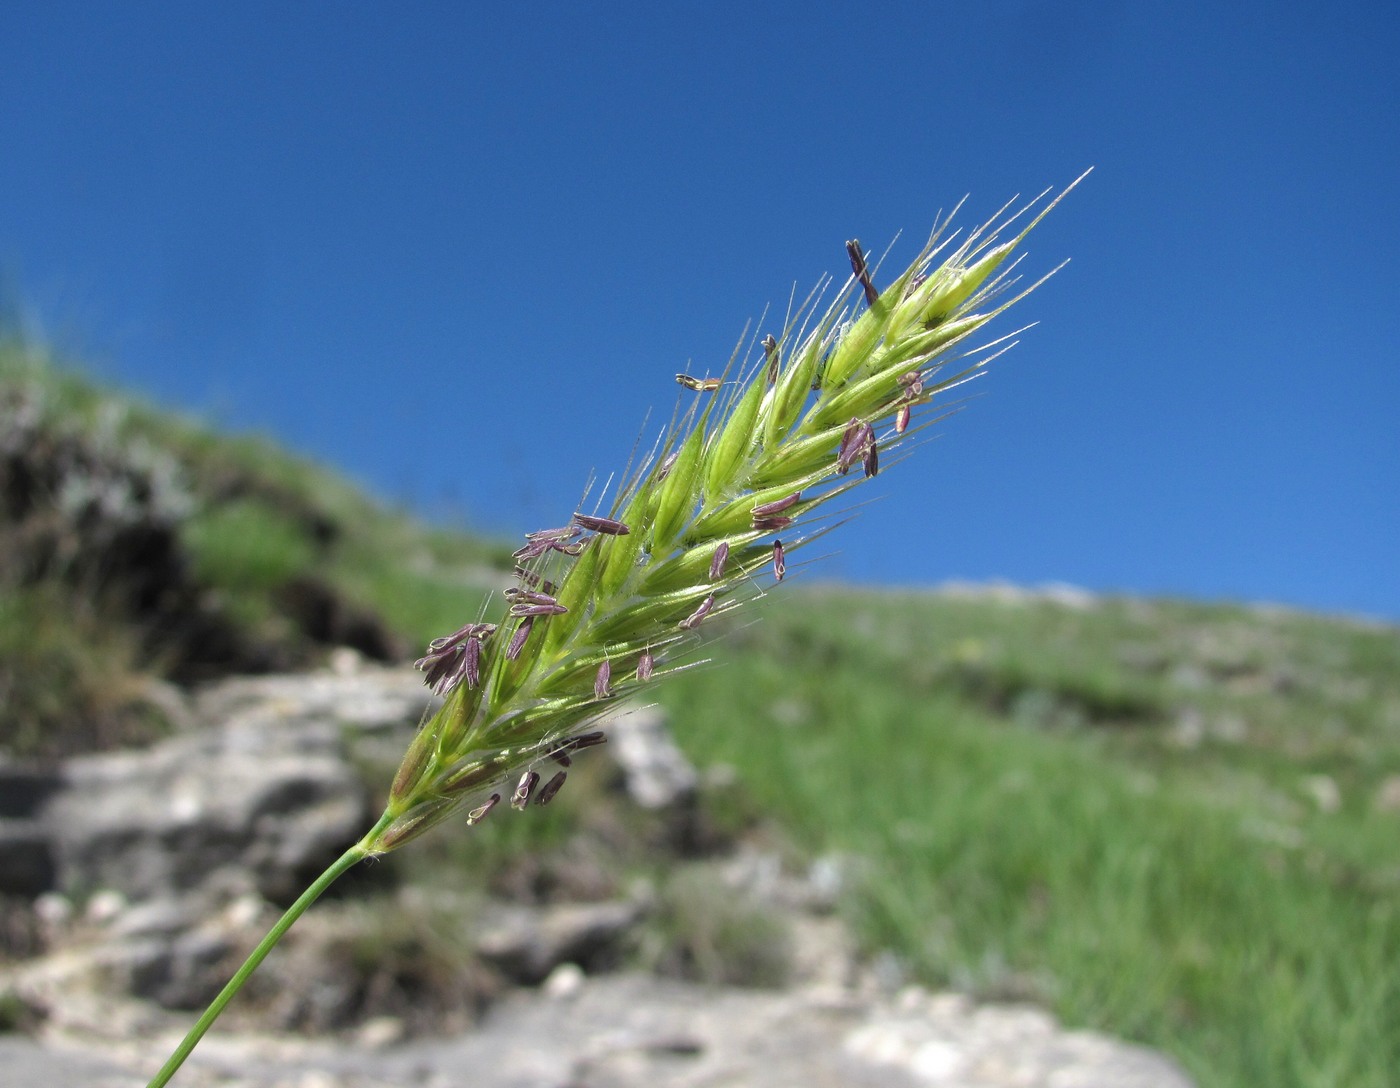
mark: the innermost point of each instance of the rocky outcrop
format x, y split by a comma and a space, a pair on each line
266, 790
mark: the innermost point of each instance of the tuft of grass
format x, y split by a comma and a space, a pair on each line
710, 933
69, 680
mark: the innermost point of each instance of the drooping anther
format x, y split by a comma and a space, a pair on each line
646, 665
872, 459
770, 351
693, 620
901, 419
601, 690
564, 532
526, 608
454, 658
777, 506
550, 788
544, 540
607, 526
861, 271
779, 561
719, 560
481, 630
476, 815
523, 789
529, 596
536, 548
444, 671
588, 740
854, 443
700, 385
517, 641
471, 666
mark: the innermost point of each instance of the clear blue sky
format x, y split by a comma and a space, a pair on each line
459, 252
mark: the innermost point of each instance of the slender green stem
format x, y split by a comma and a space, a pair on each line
338, 868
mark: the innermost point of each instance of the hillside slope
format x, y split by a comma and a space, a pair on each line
139, 547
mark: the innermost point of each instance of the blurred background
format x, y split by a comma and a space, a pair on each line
309, 311
459, 253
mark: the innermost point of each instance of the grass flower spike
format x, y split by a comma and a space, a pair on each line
744, 476
693, 531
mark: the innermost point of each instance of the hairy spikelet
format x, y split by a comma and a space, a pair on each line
740, 479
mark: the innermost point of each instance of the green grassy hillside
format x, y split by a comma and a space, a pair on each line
1176, 822
139, 546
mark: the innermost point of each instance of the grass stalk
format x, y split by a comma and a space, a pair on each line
334, 872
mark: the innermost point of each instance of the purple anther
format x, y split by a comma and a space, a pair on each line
561, 757
872, 460
454, 658
854, 442
471, 667
529, 596
770, 349
861, 271
564, 532
480, 630
446, 641
550, 788
588, 740
600, 681
901, 419
665, 467
543, 540
845, 453
476, 815
719, 560
517, 641
444, 670
777, 506
526, 786
607, 526
913, 382
646, 665
773, 524
523, 609
779, 561
693, 620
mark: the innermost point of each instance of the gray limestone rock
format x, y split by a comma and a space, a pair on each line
262, 785
526, 943
634, 1031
